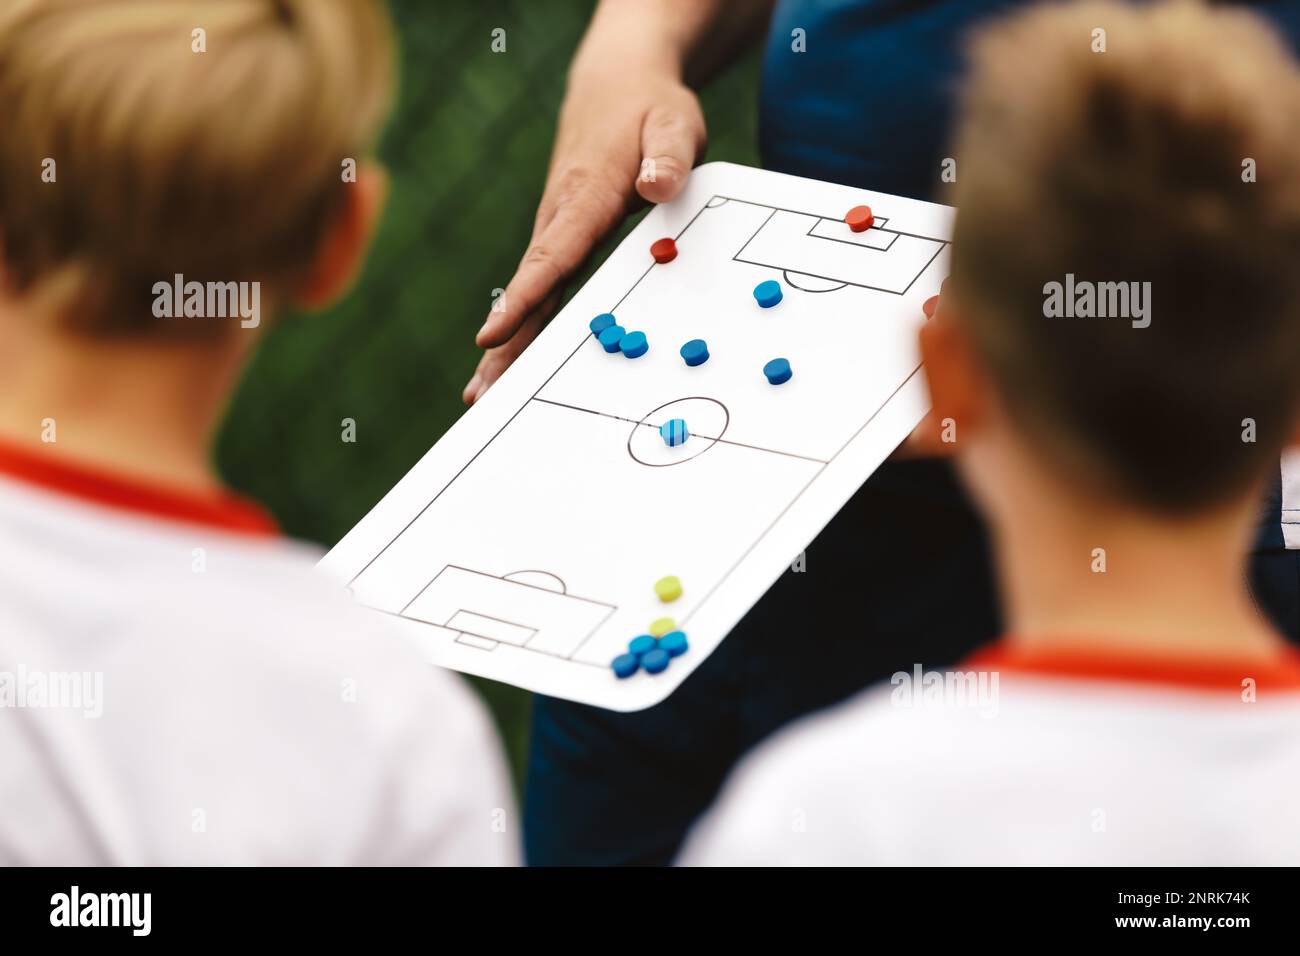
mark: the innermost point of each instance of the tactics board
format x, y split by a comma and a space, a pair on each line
524, 546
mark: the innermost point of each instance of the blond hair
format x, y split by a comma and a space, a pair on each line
220, 165
1135, 165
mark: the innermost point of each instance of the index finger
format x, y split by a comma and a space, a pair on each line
552, 256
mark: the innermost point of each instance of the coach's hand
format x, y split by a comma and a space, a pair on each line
613, 118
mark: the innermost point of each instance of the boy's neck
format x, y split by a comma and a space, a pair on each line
1095, 576
137, 406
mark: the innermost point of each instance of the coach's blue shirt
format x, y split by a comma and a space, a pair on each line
870, 100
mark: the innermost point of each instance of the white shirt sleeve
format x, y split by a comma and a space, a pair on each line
762, 817
804, 797
448, 799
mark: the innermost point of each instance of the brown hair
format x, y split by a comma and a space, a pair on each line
223, 165
1129, 165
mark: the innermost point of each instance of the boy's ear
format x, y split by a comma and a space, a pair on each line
343, 249
952, 370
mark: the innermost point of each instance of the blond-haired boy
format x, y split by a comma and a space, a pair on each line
178, 687
1139, 710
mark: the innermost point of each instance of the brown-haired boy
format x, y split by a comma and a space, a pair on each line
1139, 710
177, 686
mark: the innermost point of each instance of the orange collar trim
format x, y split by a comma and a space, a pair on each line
1280, 672
224, 510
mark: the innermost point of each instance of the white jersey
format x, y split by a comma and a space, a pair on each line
178, 686
1062, 759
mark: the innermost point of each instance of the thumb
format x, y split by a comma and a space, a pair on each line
671, 138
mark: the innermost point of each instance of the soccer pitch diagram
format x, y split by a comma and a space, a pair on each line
525, 545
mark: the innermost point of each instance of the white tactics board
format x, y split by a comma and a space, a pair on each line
525, 544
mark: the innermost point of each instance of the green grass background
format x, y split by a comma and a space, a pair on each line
467, 150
